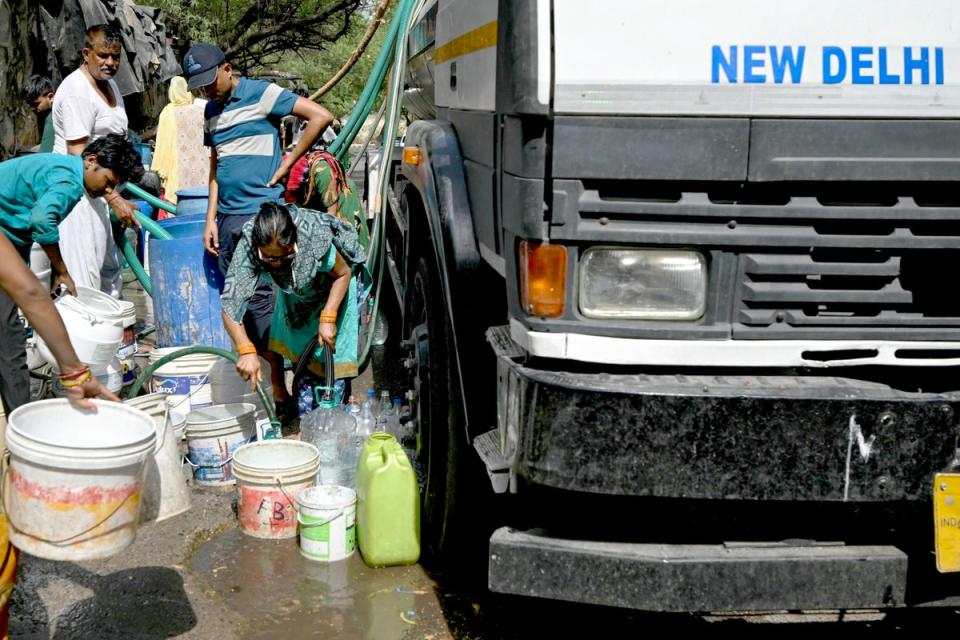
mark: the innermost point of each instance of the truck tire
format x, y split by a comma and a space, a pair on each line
438, 447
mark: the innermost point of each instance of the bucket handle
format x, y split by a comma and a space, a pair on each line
293, 502
83, 310
162, 435
4, 477
208, 466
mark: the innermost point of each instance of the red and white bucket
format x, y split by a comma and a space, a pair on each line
73, 487
269, 474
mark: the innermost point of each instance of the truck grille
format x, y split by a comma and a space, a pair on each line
854, 287
810, 260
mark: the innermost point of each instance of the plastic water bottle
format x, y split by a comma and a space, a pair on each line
383, 404
368, 401
387, 420
352, 407
382, 331
367, 423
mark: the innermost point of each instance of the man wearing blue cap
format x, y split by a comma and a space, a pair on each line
242, 127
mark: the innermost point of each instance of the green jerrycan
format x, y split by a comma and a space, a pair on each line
388, 504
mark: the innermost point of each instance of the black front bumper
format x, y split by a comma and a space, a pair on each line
700, 578
747, 492
729, 437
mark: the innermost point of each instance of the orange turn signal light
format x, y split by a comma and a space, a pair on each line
543, 278
412, 155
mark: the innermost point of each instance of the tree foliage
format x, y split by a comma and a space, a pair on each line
315, 68
259, 33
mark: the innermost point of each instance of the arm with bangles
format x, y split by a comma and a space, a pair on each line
248, 364
32, 298
327, 331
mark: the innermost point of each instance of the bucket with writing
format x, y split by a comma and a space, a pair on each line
72, 490
213, 435
327, 518
268, 475
185, 381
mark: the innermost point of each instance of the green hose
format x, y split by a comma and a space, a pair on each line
150, 199
374, 82
232, 357
130, 254
152, 227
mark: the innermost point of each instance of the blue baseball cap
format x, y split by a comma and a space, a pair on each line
200, 65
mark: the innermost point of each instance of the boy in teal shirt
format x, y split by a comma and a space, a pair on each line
36, 194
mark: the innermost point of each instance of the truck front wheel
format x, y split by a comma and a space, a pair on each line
438, 408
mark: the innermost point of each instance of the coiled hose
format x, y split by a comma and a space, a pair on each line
232, 357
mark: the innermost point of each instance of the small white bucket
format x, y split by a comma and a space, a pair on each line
185, 381
110, 376
178, 422
128, 345
213, 436
72, 490
165, 491
268, 474
327, 516
94, 322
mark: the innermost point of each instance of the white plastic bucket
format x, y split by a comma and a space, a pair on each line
34, 359
110, 376
185, 381
328, 522
213, 436
165, 491
128, 344
73, 487
94, 322
268, 474
178, 423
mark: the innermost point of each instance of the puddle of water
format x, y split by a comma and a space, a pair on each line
281, 594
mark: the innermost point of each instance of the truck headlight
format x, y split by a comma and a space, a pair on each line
642, 284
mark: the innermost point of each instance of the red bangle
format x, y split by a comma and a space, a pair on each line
70, 383
76, 374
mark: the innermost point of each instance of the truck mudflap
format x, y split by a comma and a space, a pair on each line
741, 437
698, 578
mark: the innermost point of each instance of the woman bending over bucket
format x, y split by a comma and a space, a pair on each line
310, 256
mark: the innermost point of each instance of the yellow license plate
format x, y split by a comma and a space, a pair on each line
946, 521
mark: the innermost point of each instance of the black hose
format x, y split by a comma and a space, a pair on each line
305, 357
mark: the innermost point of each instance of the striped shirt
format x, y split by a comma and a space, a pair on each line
245, 133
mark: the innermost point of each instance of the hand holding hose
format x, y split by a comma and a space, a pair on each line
248, 366
327, 332
125, 210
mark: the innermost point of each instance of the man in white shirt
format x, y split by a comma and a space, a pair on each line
87, 106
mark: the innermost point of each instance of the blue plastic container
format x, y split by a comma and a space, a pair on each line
146, 153
186, 288
147, 210
193, 201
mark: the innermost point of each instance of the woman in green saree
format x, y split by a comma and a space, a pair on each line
310, 257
